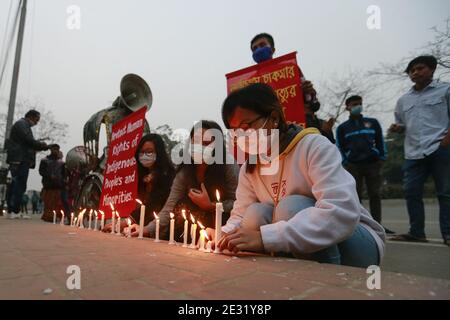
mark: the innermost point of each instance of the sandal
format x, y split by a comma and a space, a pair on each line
408, 238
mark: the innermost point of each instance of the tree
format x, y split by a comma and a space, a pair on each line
49, 128
439, 47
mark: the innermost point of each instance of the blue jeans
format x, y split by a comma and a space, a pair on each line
416, 173
359, 250
19, 175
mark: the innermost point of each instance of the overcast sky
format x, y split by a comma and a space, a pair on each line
184, 48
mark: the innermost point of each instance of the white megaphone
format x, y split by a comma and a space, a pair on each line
135, 93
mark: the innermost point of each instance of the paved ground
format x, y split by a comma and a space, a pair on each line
431, 259
34, 256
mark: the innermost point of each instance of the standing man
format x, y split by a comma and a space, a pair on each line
360, 140
263, 48
21, 148
423, 114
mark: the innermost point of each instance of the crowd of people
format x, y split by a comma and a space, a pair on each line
311, 206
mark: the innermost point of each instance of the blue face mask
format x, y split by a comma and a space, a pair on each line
262, 54
356, 110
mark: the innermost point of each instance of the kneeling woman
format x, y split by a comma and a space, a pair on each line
308, 207
155, 172
203, 171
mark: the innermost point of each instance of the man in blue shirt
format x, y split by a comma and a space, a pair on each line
423, 113
361, 143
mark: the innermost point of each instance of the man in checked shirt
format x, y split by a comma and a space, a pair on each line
423, 114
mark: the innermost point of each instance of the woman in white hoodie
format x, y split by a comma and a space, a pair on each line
302, 202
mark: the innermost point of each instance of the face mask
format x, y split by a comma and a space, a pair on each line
249, 142
262, 54
356, 110
147, 159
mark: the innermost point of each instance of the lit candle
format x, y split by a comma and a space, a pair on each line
113, 225
54, 217
81, 219
172, 229
62, 218
219, 212
157, 227
129, 227
201, 241
75, 221
118, 224
141, 220
96, 220
186, 226
90, 219
193, 233
102, 224
208, 245
71, 219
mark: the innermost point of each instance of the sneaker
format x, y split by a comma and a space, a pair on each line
447, 241
388, 231
14, 216
26, 217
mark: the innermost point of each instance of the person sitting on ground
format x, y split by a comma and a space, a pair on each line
301, 202
155, 173
204, 170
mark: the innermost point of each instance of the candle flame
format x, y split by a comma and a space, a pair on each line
90, 211
139, 201
54, 211
71, 214
218, 195
117, 214
200, 224
172, 215
156, 216
192, 218
82, 211
62, 212
95, 213
74, 221
206, 235
102, 212
129, 222
183, 212
112, 206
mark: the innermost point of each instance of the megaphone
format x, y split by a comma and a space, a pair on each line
135, 92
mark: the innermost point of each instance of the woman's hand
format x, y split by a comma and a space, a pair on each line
107, 228
201, 199
242, 240
135, 231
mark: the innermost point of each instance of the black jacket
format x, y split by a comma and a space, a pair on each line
21, 145
361, 141
52, 171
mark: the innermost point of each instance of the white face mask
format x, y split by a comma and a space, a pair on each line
147, 159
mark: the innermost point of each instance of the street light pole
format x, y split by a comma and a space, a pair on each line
15, 78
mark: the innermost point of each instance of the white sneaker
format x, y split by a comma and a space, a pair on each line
26, 217
14, 216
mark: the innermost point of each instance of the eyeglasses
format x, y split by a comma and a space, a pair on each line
249, 125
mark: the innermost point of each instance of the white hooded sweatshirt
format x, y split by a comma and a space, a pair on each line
312, 168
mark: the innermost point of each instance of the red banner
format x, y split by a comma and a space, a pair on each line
120, 176
283, 75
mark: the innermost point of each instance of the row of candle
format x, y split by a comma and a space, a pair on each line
116, 225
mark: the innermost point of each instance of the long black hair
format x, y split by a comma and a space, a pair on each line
163, 165
215, 173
